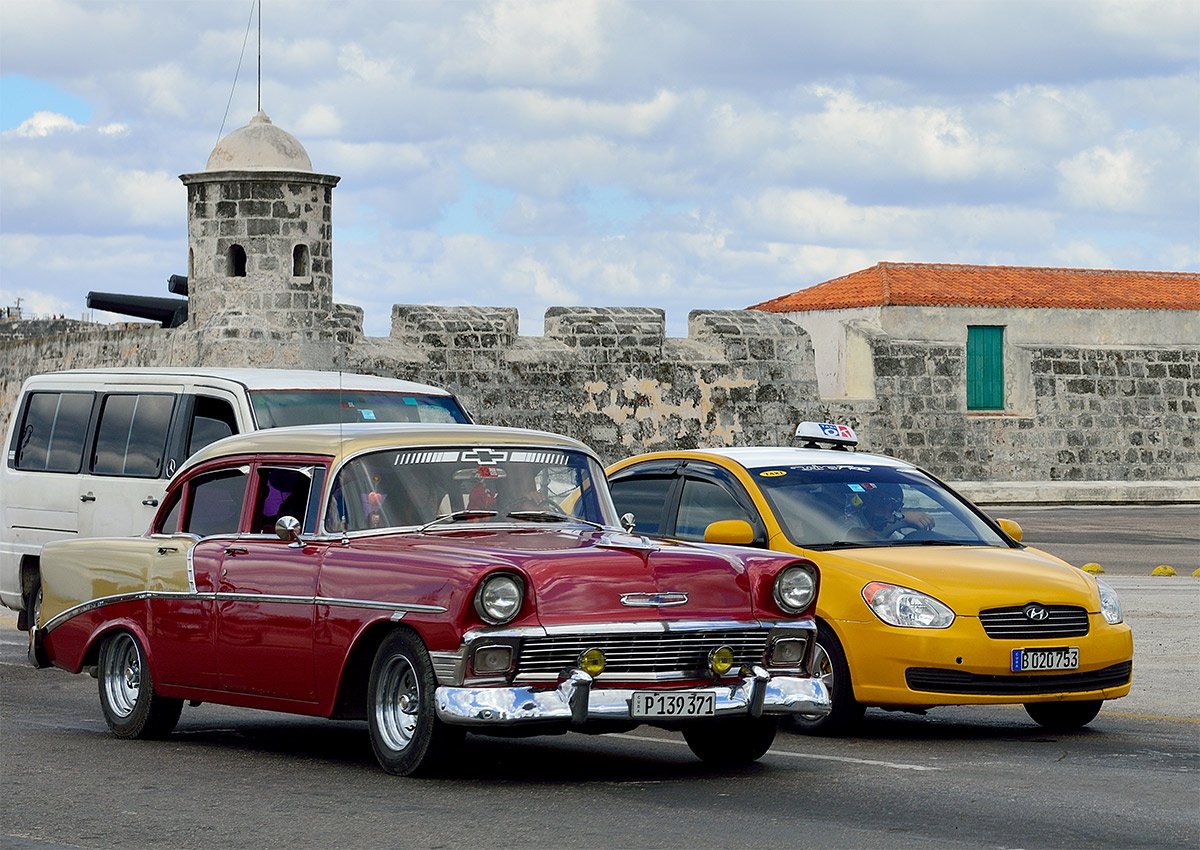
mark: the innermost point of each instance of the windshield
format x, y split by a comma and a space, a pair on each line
831, 506
279, 408
401, 488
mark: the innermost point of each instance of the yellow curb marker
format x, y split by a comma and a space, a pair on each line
1163, 570
1094, 569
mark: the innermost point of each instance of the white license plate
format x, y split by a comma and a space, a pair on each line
1049, 658
672, 704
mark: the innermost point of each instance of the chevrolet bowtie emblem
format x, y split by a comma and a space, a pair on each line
654, 600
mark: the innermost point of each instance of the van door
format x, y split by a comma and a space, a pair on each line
41, 498
123, 476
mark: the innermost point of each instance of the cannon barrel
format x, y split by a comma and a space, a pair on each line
177, 284
168, 312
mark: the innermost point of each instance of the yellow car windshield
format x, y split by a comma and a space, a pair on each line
827, 506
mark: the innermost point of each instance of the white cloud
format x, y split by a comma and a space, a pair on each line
520, 42
1105, 179
42, 124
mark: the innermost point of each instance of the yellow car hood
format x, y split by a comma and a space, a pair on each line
968, 578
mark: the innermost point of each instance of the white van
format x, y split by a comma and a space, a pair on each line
90, 450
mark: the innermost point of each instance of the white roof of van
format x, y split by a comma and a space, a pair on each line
254, 379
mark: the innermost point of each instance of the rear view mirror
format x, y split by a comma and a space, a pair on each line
1011, 527
288, 528
734, 532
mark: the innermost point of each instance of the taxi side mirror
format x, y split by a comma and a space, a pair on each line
1011, 527
734, 532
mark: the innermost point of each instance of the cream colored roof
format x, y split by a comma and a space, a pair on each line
344, 440
259, 146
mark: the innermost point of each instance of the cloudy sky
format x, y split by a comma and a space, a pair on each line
680, 155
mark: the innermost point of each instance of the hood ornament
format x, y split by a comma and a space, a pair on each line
654, 600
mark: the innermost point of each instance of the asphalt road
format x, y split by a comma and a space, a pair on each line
1124, 540
978, 777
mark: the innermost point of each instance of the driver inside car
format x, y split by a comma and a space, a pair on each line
881, 513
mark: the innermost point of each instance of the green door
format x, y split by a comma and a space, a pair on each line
985, 367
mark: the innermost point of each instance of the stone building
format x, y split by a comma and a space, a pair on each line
1098, 402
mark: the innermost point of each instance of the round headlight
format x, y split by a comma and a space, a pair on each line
499, 598
795, 589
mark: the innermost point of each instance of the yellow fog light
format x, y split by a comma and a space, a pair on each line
592, 662
720, 660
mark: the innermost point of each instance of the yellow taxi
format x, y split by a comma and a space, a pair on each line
925, 600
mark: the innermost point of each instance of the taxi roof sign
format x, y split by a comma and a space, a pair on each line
815, 433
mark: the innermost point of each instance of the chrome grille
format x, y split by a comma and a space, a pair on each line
1063, 621
639, 656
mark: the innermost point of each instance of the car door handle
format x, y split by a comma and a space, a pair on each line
150, 502
87, 497
236, 550
166, 550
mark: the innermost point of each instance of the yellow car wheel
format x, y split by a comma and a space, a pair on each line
829, 664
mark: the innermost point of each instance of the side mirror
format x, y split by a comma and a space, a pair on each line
627, 522
288, 528
1012, 528
734, 532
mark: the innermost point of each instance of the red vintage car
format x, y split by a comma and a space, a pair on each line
433, 580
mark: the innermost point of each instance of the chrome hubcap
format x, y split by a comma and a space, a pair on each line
397, 703
123, 675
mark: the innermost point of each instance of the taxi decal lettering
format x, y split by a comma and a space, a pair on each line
772, 473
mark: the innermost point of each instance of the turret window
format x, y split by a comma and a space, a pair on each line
300, 265
237, 261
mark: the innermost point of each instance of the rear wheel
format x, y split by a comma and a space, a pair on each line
1064, 716
830, 665
729, 743
131, 706
406, 735
33, 608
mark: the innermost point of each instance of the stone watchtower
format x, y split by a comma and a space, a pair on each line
260, 239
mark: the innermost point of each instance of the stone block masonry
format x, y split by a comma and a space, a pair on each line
612, 378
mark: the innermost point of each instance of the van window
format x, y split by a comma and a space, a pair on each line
278, 408
216, 503
53, 432
212, 420
132, 435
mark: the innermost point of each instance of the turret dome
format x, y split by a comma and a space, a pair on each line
259, 146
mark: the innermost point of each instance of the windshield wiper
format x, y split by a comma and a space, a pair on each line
456, 516
552, 516
937, 543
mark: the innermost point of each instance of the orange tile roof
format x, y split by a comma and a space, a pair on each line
941, 284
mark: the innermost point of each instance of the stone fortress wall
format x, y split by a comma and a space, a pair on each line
1099, 416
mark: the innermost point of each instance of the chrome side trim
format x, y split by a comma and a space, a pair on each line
755, 694
93, 604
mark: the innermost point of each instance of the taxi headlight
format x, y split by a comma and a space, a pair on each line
1110, 603
795, 589
902, 606
499, 598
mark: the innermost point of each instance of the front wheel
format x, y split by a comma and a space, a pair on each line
132, 708
1064, 716
831, 667
406, 735
730, 743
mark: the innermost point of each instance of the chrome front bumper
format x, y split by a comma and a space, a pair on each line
577, 701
